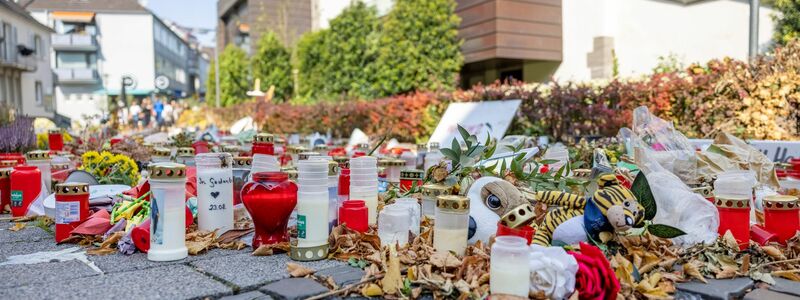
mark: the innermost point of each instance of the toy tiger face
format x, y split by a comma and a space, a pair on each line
618, 204
504, 199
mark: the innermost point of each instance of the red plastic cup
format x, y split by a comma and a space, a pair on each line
734, 216
353, 214
525, 232
762, 236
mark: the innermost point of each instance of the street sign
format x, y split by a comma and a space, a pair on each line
129, 81
162, 82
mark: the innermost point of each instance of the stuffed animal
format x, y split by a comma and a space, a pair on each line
612, 208
490, 198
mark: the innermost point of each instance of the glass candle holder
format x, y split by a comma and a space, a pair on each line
391, 167
452, 222
270, 199
5, 189
414, 211
185, 156
422, 150
26, 186
263, 144
509, 270
433, 157
167, 212
41, 160
214, 192
72, 208
734, 216
782, 216
409, 158
409, 177
59, 173
430, 193
160, 155
306, 155
55, 140
393, 225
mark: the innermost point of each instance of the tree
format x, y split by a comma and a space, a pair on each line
272, 64
787, 22
309, 61
233, 72
418, 48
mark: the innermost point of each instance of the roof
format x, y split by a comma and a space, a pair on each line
19, 10
113, 6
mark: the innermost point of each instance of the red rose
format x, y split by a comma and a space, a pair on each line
595, 279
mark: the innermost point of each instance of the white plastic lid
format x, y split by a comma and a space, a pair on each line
735, 183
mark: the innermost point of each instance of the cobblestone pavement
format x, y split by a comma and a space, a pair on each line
226, 274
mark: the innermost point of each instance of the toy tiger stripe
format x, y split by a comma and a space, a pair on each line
612, 208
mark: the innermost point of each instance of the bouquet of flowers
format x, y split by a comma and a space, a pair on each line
111, 168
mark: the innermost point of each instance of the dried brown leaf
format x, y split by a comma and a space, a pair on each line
444, 259
266, 250
17, 227
113, 239
690, 270
745, 264
392, 282
371, 290
773, 252
298, 270
101, 251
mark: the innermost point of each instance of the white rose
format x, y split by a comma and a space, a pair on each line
552, 271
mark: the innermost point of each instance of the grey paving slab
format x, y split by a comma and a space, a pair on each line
294, 288
721, 289
343, 274
251, 295
168, 282
43, 273
122, 263
765, 294
248, 272
786, 286
20, 248
30, 233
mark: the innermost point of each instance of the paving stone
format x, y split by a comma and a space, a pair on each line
722, 289
294, 288
786, 286
251, 295
248, 272
168, 282
138, 261
43, 273
20, 248
343, 274
765, 294
30, 233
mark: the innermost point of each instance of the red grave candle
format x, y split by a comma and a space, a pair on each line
270, 199
408, 177
734, 216
72, 208
782, 216
262, 144
55, 139
5, 188
26, 185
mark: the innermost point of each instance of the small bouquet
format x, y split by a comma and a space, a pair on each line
111, 168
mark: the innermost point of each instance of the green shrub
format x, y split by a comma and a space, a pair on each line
233, 70
272, 64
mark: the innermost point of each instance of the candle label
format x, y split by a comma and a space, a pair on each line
68, 212
156, 222
16, 198
301, 226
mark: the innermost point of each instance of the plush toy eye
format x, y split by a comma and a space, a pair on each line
627, 203
493, 202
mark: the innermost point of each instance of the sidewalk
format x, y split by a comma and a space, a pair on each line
216, 274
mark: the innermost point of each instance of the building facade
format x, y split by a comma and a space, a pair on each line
536, 40
26, 79
98, 43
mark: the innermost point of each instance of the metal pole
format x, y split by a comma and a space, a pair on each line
216, 72
753, 50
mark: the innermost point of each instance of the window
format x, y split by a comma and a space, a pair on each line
4, 32
37, 46
76, 60
38, 91
78, 28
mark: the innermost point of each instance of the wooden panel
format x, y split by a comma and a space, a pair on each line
545, 2
464, 4
519, 41
479, 43
482, 55
477, 13
477, 30
507, 9
531, 28
527, 54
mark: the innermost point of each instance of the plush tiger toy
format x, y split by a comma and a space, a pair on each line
613, 208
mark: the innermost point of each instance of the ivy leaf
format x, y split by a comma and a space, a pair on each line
641, 189
664, 231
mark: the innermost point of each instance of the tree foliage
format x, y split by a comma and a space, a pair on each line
272, 64
787, 22
233, 70
333, 62
418, 47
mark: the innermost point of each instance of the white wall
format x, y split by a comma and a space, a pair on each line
643, 30
25, 31
126, 48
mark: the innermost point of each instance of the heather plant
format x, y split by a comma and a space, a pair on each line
18, 135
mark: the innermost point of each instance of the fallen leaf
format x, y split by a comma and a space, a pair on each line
730, 241
392, 281
101, 251
17, 227
113, 239
691, 270
371, 290
445, 259
297, 270
266, 250
233, 235
623, 268
745, 264
727, 272
773, 252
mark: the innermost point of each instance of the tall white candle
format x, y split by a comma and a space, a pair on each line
167, 212
214, 192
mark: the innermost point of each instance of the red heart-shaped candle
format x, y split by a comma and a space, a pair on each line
270, 199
